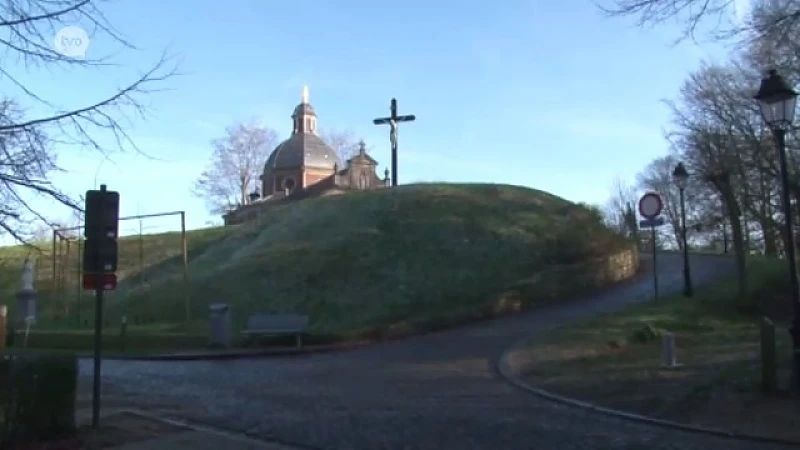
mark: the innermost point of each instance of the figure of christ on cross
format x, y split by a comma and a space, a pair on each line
393, 121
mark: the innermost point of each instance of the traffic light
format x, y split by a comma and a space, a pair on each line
101, 229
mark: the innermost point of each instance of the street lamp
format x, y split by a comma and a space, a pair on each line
681, 178
777, 101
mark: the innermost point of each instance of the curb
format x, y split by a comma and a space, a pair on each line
510, 375
267, 443
240, 354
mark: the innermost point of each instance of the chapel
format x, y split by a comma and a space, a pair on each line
304, 166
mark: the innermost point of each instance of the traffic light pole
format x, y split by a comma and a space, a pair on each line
98, 342
100, 258
98, 330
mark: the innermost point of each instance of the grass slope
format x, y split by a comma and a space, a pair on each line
614, 360
370, 258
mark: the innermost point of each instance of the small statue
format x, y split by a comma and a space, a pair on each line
27, 275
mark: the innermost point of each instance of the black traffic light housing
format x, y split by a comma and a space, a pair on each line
101, 229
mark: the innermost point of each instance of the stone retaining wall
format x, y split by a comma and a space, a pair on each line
569, 281
558, 283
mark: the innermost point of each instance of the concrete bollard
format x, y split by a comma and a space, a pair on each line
669, 356
3, 327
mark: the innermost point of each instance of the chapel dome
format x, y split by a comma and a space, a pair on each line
304, 109
302, 150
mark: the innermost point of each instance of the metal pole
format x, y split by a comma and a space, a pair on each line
98, 342
655, 262
79, 285
687, 275
54, 284
393, 131
724, 237
67, 264
185, 249
60, 283
794, 330
98, 332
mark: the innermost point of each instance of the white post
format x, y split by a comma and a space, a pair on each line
668, 355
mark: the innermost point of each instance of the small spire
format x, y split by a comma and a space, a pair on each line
362, 147
304, 98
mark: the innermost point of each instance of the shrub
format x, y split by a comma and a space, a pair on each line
37, 397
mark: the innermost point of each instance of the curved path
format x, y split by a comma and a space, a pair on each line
438, 391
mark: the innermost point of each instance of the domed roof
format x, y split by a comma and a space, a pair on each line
304, 109
302, 150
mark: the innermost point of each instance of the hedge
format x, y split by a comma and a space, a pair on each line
37, 397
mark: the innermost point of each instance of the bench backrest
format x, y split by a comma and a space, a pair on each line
277, 322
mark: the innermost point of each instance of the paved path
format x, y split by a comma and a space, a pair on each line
430, 392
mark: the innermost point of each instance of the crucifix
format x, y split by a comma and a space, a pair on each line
393, 120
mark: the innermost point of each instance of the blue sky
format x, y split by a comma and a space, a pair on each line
546, 94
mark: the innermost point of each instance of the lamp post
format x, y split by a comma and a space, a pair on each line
681, 178
777, 102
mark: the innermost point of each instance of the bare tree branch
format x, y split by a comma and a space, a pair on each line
236, 163
772, 20
29, 145
343, 142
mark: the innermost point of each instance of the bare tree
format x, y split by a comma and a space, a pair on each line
28, 144
619, 211
236, 162
343, 142
766, 19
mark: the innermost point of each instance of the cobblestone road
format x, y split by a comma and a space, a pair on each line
431, 392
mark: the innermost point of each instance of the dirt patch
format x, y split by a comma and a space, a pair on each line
114, 431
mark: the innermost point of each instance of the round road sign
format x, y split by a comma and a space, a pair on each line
650, 205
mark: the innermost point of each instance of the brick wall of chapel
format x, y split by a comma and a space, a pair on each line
274, 181
314, 176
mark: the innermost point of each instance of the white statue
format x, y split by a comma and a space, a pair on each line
393, 133
27, 275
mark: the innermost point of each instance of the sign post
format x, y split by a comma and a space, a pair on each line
99, 266
650, 207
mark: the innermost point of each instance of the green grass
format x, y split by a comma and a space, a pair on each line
614, 360
417, 253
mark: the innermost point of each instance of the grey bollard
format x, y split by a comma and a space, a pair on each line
669, 356
219, 325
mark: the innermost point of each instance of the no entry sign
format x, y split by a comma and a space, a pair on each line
650, 205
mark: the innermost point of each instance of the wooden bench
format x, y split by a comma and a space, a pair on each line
277, 325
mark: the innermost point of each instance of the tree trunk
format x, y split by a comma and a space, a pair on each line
739, 244
765, 218
766, 223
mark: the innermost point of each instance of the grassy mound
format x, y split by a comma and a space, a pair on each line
376, 258
365, 260
62, 302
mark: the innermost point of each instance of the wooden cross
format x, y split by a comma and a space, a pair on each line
393, 120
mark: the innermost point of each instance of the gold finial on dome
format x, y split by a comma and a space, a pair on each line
305, 94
